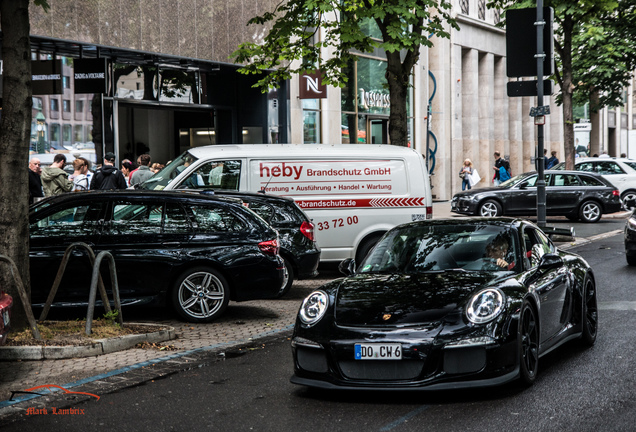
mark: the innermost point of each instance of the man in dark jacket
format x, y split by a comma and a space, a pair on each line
108, 177
35, 183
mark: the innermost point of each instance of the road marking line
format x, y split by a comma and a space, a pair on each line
617, 305
404, 418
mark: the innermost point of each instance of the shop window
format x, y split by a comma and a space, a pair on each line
311, 121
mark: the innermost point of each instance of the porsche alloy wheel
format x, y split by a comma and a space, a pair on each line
590, 314
528, 344
490, 209
200, 294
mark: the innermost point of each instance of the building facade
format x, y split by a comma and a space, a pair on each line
171, 85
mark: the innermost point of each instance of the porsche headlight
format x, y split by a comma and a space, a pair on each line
485, 306
313, 307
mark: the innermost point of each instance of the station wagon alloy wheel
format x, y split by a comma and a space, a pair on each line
201, 295
590, 212
490, 209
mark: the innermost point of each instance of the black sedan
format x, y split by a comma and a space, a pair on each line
574, 194
446, 304
298, 246
191, 251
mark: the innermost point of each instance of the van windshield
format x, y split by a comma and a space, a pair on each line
160, 180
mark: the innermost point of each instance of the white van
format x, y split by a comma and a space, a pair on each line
353, 193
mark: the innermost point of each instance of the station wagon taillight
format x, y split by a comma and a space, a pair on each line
269, 247
307, 228
616, 192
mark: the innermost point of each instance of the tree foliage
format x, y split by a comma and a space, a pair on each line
594, 53
290, 45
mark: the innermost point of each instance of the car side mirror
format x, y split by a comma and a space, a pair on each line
550, 261
347, 267
523, 185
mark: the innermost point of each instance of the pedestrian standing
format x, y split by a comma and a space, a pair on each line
499, 163
143, 173
127, 167
79, 178
54, 179
108, 177
35, 182
465, 173
552, 161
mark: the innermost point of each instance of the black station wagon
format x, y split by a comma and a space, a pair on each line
296, 239
193, 252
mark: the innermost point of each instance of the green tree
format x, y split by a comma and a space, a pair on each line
291, 47
15, 136
594, 54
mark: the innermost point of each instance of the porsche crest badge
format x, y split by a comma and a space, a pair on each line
386, 317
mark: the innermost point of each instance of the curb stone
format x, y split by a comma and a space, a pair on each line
98, 347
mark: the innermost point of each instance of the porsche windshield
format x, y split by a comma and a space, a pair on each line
160, 180
438, 248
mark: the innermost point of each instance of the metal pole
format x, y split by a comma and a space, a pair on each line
541, 200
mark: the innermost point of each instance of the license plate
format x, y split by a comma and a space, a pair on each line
378, 351
5, 317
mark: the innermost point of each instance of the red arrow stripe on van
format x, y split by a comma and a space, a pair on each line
365, 202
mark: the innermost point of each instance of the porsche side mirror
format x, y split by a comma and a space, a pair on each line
550, 261
347, 267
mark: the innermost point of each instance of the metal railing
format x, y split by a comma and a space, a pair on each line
96, 282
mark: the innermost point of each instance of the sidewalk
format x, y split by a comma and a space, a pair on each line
243, 324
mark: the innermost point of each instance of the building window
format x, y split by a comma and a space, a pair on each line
66, 105
463, 4
37, 103
78, 134
66, 81
55, 134
79, 106
481, 9
497, 13
55, 105
66, 133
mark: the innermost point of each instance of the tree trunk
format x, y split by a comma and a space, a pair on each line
568, 120
15, 137
398, 87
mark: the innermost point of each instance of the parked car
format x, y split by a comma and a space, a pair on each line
191, 251
630, 234
574, 194
445, 304
620, 172
6, 303
295, 233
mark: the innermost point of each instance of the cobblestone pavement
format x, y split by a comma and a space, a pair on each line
242, 323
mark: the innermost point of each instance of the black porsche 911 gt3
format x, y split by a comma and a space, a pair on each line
445, 304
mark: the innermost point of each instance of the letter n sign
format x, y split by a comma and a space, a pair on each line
311, 86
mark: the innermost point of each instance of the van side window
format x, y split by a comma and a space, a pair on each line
217, 174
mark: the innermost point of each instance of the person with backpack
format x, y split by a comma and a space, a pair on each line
500, 163
108, 177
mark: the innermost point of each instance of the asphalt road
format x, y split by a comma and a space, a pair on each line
577, 389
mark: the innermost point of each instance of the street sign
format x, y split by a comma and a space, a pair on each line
521, 42
528, 88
